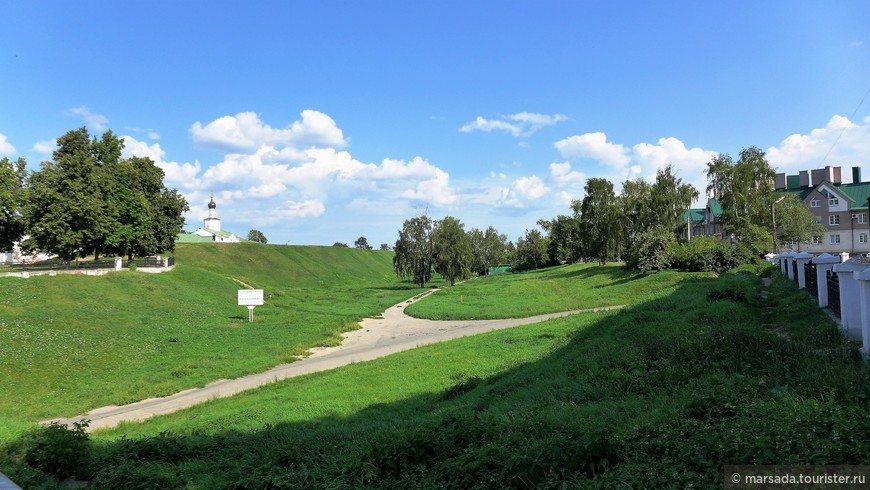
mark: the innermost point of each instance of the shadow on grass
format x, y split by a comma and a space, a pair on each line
660, 394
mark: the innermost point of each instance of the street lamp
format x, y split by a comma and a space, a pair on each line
773, 215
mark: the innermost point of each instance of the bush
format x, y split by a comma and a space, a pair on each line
58, 450
651, 250
704, 254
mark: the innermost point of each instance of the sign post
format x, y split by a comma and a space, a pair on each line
250, 298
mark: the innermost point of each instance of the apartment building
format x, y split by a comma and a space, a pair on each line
842, 208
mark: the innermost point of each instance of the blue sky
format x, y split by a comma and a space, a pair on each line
318, 122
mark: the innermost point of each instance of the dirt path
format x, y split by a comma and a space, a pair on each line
378, 337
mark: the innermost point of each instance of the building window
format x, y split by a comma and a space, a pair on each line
817, 220
833, 201
835, 239
817, 240
862, 218
834, 219
862, 238
815, 203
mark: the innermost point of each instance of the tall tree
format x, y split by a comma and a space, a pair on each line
89, 200
743, 188
12, 195
452, 248
669, 199
414, 253
257, 236
531, 251
599, 220
488, 248
66, 212
636, 212
563, 233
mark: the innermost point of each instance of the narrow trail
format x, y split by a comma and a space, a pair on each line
393, 332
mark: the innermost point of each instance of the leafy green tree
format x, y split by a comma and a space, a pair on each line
599, 217
636, 213
67, 213
88, 200
452, 248
669, 198
563, 233
488, 248
257, 236
340, 244
385, 246
414, 251
12, 196
743, 188
531, 251
794, 221
362, 242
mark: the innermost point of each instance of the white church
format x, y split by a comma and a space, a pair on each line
210, 231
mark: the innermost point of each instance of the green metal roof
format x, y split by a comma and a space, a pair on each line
696, 214
192, 238
857, 194
715, 208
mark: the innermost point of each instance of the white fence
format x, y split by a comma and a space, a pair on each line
839, 283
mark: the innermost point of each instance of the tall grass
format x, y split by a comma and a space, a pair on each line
661, 394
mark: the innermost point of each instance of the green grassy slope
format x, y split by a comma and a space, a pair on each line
568, 287
72, 343
660, 395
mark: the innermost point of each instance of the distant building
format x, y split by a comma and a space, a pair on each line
17, 256
211, 230
840, 207
704, 221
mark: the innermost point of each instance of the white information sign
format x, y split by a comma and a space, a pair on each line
250, 297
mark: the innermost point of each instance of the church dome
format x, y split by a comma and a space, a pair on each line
211, 204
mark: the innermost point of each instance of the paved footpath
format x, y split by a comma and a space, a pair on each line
378, 337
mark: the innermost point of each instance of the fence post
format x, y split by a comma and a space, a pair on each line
783, 263
118, 263
824, 263
802, 258
863, 278
789, 268
850, 298
844, 256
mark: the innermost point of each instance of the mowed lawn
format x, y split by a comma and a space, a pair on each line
72, 343
662, 394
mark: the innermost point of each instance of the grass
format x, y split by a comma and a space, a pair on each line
660, 394
563, 288
72, 343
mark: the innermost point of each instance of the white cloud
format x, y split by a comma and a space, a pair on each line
154, 135
246, 132
593, 146
840, 142
521, 124
530, 187
179, 175
45, 147
310, 208
94, 121
563, 175
6, 148
856, 44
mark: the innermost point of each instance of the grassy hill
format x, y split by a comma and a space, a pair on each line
701, 374
72, 343
697, 373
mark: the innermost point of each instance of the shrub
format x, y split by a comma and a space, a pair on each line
704, 254
58, 450
651, 250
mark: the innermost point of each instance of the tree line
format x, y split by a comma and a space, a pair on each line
642, 226
88, 200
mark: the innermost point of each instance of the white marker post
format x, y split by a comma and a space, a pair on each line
250, 298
